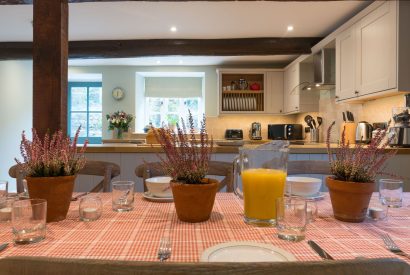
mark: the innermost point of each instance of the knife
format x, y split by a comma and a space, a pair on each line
344, 116
3, 246
323, 254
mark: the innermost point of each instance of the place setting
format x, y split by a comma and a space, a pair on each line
159, 189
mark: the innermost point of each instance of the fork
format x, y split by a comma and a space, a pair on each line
391, 245
164, 251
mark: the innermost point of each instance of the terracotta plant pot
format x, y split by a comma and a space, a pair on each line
56, 190
194, 202
350, 200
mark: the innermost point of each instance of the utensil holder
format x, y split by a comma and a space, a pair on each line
314, 135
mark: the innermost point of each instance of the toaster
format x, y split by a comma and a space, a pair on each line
235, 134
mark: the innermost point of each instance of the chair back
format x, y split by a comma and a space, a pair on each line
108, 170
297, 167
216, 168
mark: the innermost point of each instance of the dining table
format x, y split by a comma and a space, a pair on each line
135, 235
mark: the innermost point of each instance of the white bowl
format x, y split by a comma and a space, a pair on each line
159, 186
303, 186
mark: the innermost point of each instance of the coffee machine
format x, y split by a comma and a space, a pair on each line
399, 134
255, 133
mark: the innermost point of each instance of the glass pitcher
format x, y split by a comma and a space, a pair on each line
259, 178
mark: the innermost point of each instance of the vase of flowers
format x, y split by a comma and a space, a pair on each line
119, 122
50, 165
186, 161
354, 169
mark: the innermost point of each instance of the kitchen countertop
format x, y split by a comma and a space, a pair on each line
308, 148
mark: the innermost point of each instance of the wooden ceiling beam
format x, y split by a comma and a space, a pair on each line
166, 47
29, 2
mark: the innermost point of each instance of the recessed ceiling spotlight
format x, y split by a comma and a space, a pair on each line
317, 85
158, 61
309, 88
173, 29
290, 28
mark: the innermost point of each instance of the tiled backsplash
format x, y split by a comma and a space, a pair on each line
378, 110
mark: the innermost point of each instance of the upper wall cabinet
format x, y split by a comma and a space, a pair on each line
250, 91
370, 53
297, 99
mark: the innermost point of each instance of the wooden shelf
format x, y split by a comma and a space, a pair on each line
243, 92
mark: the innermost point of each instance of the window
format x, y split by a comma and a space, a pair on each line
85, 109
170, 110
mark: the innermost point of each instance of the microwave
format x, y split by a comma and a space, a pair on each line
285, 131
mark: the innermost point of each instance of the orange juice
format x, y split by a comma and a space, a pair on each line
261, 187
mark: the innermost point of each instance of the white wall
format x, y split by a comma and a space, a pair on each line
16, 91
125, 77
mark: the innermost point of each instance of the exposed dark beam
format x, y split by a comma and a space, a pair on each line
24, 2
50, 65
164, 47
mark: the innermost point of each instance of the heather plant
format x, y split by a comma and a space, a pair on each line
359, 163
52, 156
186, 156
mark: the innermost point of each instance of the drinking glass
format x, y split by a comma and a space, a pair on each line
391, 192
6, 205
291, 218
28, 218
260, 176
3, 188
90, 208
122, 196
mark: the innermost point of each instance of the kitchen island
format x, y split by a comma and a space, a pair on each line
128, 156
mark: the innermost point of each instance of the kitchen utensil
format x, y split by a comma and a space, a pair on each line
314, 123
165, 249
350, 117
319, 121
363, 132
344, 116
320, 251
79, 196
391, 245
3, 246
308, 120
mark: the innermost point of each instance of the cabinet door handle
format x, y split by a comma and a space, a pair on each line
356, 92
337, 97
280, 111
296, 107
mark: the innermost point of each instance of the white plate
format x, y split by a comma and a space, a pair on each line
150, 197
246, 252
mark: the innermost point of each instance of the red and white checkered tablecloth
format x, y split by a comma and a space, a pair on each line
135, 235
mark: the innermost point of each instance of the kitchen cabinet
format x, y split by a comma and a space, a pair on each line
370, 56
274, 95
296, 97
262, 92
345, 60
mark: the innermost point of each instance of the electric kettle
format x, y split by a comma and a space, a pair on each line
363, 132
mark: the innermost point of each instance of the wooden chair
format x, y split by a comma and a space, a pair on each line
44, 266
297, 167
216, 168
108, 170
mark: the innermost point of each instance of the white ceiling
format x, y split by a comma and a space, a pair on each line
150, 20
